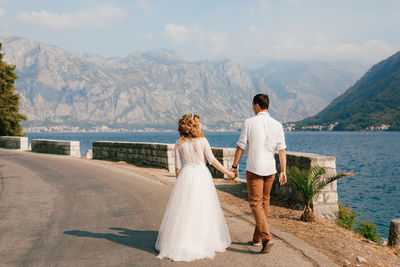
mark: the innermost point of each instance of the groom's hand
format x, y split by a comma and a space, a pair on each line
231, 175
235, 171
282, 178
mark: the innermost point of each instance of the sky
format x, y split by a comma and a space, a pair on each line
252, 32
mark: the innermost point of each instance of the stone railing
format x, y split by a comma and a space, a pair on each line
162, 156
153, 154
14, 142
60, 147
326, 205
225, 156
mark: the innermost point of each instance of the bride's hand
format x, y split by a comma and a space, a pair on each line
231, 175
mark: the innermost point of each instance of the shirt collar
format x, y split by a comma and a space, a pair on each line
263, 113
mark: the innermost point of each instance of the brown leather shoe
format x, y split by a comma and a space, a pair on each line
266, 246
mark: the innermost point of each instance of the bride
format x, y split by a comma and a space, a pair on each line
193, 226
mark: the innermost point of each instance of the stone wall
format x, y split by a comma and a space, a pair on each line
326, 205
60, 147
224, 155
153, 154
162, 156
14, 142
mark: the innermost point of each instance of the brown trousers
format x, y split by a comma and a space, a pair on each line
259, 190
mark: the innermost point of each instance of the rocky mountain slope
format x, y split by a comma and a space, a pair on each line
372, 103
154, 88
304, 88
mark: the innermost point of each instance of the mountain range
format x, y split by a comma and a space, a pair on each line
372, 103
152, 89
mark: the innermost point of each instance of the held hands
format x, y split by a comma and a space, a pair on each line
235, 171
231, 175
282, 178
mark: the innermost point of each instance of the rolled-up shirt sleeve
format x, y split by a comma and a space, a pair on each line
242, 142
208, 152
281, 144
178, 160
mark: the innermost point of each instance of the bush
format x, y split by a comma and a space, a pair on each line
346, 218
368, 230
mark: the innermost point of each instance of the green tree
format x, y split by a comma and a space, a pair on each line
9, 101
310, 182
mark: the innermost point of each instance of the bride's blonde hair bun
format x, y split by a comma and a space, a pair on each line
189, 126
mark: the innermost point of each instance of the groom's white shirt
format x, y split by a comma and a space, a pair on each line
262, 135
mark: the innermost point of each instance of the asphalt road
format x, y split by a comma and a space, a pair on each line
64, 211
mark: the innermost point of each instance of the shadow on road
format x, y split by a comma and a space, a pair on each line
237, 190
143, 240
244, 251
241, 250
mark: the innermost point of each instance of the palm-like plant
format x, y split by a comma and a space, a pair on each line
309, 182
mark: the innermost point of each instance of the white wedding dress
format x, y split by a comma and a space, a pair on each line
193, 226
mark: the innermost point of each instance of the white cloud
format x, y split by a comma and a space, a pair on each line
144, 4
372, 51
368, 52
264, 4
209, 40
147, 36
294, 2
3, 21
203, 39
99, 17
177, 33
252, 28
254, 36
259, 45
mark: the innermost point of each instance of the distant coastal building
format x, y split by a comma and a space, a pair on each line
289, 127
313, 128
332, 126
382, 127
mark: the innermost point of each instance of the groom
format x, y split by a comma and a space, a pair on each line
262, 135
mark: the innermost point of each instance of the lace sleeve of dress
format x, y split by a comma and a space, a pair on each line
178, 160
208, 152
